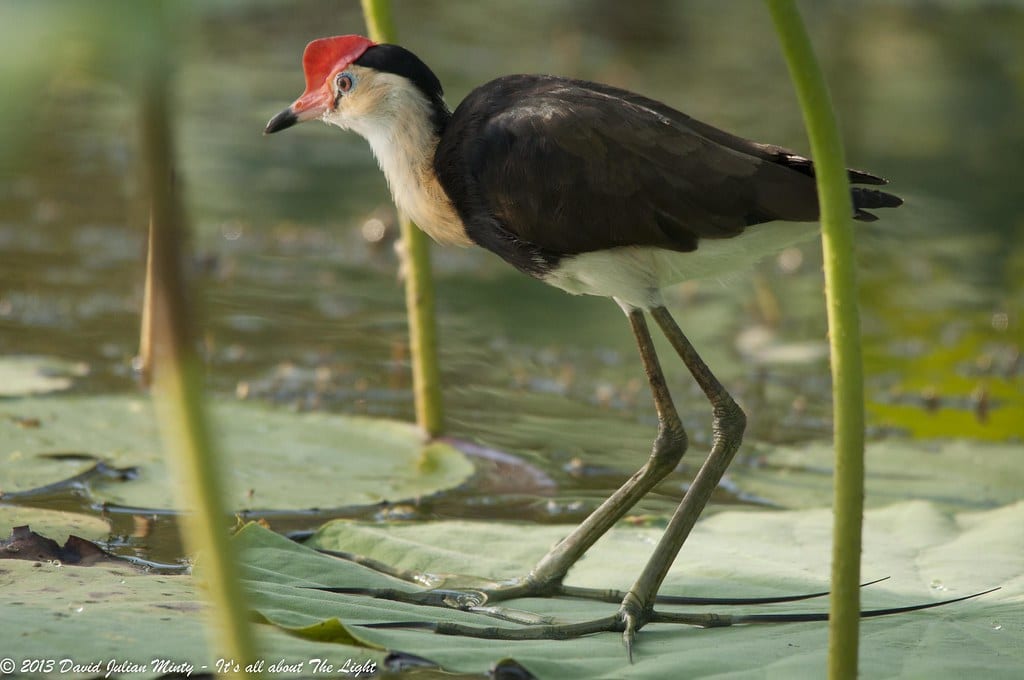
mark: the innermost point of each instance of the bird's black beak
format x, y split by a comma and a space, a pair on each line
281, 121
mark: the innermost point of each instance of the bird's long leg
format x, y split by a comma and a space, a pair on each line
728, 423
637, 607
668, 449
545, 579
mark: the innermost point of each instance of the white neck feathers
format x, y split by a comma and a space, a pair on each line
395, 118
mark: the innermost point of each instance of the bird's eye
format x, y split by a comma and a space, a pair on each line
344, 81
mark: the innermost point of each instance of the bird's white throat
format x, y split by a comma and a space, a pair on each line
395, 118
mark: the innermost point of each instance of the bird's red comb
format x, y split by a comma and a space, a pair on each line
323, 55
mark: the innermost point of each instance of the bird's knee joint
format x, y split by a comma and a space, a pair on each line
669, 447
730, 417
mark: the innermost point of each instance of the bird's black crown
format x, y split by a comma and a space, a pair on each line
402, 62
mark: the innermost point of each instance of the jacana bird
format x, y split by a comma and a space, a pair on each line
595, 190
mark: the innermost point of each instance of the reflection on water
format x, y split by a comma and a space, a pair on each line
300, 308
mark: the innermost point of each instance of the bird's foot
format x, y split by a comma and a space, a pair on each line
630, 619
481, 596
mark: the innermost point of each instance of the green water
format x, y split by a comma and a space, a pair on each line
298, 308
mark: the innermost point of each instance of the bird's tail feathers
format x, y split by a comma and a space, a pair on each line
864, 199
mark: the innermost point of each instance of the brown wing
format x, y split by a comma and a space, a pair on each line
539, 167
570, 169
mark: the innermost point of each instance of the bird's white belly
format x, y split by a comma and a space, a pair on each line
635, 275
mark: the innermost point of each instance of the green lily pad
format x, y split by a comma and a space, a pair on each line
82, 616
55, 524
930, 554
274, 458
957, 474
24, 375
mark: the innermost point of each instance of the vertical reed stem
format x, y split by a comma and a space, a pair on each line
844, 335
177, 372
419, 283
144, 360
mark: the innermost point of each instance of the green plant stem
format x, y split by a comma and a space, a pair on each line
419, 282
379, 23
844, 335
177, 372
144, 360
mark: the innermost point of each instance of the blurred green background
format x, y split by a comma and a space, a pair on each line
293, 249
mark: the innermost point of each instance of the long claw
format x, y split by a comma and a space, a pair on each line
629, 635
453, 599
721, 620
614, 596
411, 576
775, 599
564, 631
